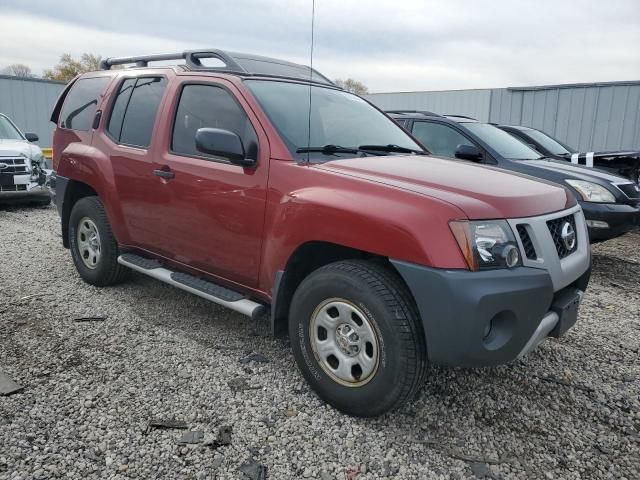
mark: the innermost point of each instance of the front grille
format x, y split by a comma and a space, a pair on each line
529, 249
631, 190
13, 165
555, 228
13, 188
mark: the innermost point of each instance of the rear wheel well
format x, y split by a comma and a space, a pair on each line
304, 260
75, 191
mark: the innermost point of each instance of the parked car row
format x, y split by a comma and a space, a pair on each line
611, 203
623, 163
23, 173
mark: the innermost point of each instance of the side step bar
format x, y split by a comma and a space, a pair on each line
203, 288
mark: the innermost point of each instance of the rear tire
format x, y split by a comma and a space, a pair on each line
357, 337
93, 247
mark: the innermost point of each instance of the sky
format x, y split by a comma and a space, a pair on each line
401, 45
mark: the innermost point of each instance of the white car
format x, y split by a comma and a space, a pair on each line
22, 165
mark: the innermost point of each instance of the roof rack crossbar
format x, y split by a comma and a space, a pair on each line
459, 116
191, 57
421, 112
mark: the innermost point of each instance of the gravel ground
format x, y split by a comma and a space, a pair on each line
570, 410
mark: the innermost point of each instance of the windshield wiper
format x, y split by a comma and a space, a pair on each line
331, 149
391, 148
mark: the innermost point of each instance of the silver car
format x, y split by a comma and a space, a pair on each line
23, 173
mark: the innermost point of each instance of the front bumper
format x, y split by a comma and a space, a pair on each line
22, 186
487, 318
620, 219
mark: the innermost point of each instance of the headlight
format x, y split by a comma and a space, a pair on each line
592, 192
486, 244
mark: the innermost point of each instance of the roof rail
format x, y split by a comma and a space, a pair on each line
233, 62
459, 116
191, 57
421, 112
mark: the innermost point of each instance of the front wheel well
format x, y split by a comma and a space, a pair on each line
307, 258
75, 191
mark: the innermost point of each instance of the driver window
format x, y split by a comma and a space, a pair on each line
208, 106
439, 139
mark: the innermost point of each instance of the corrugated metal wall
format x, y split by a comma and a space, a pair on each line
28, 102
475, 103
602, 116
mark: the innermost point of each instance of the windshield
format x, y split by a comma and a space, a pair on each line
8, 131
550, 143
502, 142
337, 118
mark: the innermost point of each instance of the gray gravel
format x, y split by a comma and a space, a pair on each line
570, 410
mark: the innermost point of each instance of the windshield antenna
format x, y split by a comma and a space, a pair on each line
313, 15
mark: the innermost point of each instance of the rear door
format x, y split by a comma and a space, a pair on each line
213, 210
127, 140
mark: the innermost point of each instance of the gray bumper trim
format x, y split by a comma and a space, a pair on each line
547, 324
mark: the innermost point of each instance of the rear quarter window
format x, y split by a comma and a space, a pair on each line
81, 103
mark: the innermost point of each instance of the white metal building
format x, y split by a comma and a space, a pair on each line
591, 117
28, 102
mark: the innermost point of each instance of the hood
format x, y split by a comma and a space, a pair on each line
577, 172
10, 148
614, 155
480, 192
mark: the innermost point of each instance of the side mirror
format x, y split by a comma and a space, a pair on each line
468, 152
223, 143
32, 137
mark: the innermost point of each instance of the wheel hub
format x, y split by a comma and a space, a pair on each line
347, 340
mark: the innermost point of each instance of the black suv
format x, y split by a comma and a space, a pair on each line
611, 203
623, 163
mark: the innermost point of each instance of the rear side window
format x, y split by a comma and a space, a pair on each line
134, 110
80, 105
207, 106
439, 139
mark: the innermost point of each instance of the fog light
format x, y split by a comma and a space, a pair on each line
511, 255
597, 224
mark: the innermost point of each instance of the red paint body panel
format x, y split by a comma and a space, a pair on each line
241, 225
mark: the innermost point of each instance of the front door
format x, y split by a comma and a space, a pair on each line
212, 210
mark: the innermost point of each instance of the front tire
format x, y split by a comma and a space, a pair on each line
93, 247
357, 337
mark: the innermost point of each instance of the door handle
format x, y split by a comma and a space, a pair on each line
168, 174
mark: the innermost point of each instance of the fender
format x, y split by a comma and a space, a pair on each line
358, 214
88, 165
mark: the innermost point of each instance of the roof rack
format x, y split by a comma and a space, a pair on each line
421, 112
238, 63
191, 57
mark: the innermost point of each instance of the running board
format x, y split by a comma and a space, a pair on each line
192, 284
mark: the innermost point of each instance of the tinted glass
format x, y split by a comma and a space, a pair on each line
119, 106
80, 105
551, 144
206, 106
8, 131
140, 116
502, 142
337, 117
439, 139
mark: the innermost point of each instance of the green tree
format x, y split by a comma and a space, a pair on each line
68, 67
18, 70
353, 86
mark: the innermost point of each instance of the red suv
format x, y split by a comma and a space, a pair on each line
259, 185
